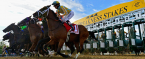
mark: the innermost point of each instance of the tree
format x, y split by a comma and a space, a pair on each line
1, 46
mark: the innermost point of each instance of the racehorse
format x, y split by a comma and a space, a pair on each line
6, 36
46, 38
45, 27
24, 38
58, 33
19, 38
92, 35
34, 31
12, 45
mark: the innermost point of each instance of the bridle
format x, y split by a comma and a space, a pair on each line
47, 10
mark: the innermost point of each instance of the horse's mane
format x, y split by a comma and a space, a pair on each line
18, 27
54, 14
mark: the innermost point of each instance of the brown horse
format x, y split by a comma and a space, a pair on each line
20, 38
58, 33
34, 31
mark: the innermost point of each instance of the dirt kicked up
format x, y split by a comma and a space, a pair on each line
83, 57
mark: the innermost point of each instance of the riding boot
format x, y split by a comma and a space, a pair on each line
69, 23
61, 21
71, 27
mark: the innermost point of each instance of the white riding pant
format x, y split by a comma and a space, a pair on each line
68, 17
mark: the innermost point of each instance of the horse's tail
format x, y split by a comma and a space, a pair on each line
92, 35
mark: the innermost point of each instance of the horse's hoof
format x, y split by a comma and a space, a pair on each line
74, 58
66, 56
47, 53
38, 55
30, 55
22, 55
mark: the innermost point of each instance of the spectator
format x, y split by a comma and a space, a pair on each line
4, 50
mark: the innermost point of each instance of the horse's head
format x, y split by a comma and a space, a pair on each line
9, 28
6, 36
37, 14
24, 21
46, 12
43, 12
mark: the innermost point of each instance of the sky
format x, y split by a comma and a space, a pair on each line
13, 11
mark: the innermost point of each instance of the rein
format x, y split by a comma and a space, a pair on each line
47, 10
8, 34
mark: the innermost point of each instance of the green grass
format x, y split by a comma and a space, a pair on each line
0, 51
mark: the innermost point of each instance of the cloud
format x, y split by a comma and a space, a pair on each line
13, 11
77, 16
91, 5
72, 4
44, 0
124, 1
25, 6
96, 10
88, 5
121, 1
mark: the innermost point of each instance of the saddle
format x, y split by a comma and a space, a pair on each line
68, 28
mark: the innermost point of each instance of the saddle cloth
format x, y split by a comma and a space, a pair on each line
68, 28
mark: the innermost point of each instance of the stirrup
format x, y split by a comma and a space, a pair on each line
72, 28
61, 21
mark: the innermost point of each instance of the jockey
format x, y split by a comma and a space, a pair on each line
42, 28
67, 13
4, 50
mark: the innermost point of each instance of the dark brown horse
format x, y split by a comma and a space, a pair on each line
58, 33
20, 38
12, 45
46, 38
34, 31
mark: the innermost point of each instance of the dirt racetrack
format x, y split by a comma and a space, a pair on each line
83, 57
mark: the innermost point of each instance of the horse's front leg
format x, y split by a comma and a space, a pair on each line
59, 48
21, 46
78, 49
71, 47
39, 44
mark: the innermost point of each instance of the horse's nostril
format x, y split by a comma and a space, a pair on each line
3, 30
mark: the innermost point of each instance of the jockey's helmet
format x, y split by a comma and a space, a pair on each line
55, 3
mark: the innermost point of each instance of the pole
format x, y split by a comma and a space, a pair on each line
139, 31
134, 37
122, 32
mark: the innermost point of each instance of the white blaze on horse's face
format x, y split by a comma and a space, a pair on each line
43, 12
